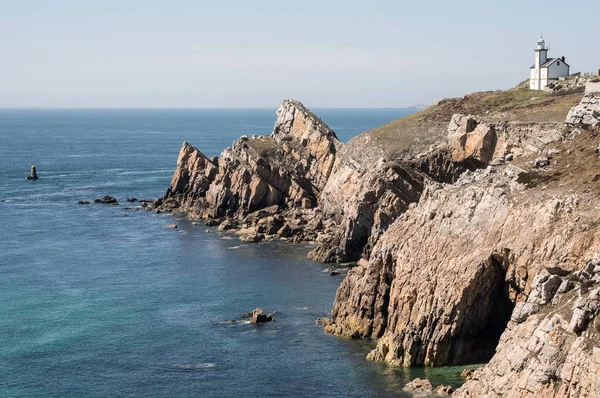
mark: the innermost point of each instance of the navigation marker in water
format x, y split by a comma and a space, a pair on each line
33, 174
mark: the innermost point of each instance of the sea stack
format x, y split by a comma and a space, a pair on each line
33, 174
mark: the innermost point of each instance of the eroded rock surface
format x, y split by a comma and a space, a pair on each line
286, 169
440, 284
551, 347
489, 143
587, 112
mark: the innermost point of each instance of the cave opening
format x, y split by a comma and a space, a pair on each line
487, 338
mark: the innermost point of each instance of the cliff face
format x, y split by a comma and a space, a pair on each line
442, 282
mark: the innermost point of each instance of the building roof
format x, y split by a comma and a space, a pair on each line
548, 62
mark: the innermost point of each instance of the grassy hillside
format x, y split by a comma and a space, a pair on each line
414, 134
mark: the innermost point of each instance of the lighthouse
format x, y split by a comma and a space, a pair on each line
545, 70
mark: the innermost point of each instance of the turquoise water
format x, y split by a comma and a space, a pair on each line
101, 301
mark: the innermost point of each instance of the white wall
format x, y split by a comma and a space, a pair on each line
555, 70
533, 79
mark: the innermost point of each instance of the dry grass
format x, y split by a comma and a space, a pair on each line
416, 133
575, 168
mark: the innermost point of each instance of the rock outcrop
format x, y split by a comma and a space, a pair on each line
490, 143
286, 169
587, 112
421, 388
301, 183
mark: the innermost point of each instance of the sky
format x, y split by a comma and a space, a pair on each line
255, 53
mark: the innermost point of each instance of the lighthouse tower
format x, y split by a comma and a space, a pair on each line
541, 56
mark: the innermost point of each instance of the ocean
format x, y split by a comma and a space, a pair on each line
102, 301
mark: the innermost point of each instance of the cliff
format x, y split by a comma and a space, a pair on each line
344, 197
488, 268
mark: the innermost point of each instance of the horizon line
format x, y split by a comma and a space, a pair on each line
416, 106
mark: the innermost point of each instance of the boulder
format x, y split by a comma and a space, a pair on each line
419, 387
541, 162
227, 225
252, 238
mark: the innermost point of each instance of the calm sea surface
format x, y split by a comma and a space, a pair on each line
100, 301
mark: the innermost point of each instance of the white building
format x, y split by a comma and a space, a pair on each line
546, 70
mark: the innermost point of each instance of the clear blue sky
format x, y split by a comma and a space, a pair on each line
254, 53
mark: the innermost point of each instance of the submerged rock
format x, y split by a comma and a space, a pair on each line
107, 200
257, 316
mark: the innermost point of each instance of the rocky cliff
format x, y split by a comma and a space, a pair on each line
489, 266
286, 169
462, 217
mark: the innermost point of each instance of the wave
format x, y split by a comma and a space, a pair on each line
188, 367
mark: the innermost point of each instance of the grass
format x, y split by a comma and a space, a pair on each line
413, 134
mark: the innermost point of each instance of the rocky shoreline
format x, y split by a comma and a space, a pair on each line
469, 222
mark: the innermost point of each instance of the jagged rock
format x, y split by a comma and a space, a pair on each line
81, 202
171, 226
334, 273
292, 164
467, 373
253, 238
468, 138
285, 231
131, 200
